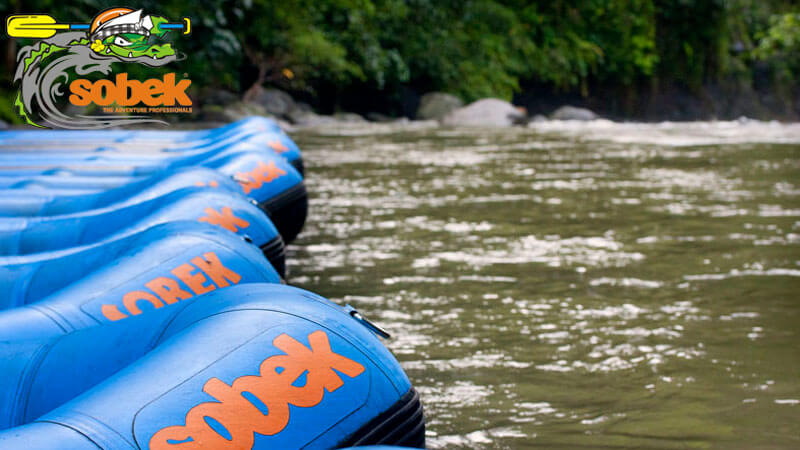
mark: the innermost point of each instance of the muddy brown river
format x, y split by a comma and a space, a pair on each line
571, 285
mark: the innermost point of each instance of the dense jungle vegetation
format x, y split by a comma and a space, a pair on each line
623, 56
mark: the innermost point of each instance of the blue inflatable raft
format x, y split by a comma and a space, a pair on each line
110, 281
227, 210
293, 371
275, 186
141, 304
252, 132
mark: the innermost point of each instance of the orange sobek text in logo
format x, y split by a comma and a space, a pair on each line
272, 386
124, 92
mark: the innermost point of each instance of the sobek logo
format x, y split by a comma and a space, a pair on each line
116, 35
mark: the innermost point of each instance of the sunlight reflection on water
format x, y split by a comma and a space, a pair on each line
571, 284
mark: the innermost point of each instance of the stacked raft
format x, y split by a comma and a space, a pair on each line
142, 304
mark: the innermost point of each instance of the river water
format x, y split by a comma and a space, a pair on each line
572, 285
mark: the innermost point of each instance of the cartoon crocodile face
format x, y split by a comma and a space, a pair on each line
129, 45
125, 33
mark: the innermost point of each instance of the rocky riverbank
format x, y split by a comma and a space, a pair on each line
438, 107
433, 109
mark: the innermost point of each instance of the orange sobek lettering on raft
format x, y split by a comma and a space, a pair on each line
211, 183
225, 219
263, 173
278, 147
165, 289
240, 417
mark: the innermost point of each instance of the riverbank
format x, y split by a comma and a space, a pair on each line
441, 108
728, 100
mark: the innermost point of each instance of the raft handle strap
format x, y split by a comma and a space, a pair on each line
364, 321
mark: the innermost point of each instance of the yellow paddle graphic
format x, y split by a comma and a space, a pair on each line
38, 26
42, 26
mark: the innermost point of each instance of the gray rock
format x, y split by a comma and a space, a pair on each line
378, 117
349, 117
299, 111
216, 115
234, 111
213, 114
3, 125
311, 119
573, 113
302, 107
285, 126
220, 97
274, 101
436, 105
488, 112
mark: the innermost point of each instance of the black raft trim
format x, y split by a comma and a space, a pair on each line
275, 252
402, 424
288, 211
299, 165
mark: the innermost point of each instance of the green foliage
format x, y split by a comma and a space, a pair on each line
780, 44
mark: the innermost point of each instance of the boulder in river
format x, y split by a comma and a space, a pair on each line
274, 101
311, 119
220, 97
349, 117
488, 112
299, 111
573, 113
233, 111
3, 125
436, 105
378, 117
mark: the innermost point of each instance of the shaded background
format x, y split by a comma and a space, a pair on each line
641, 59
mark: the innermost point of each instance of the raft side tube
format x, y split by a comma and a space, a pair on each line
165, 264
227, 210
336, 377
